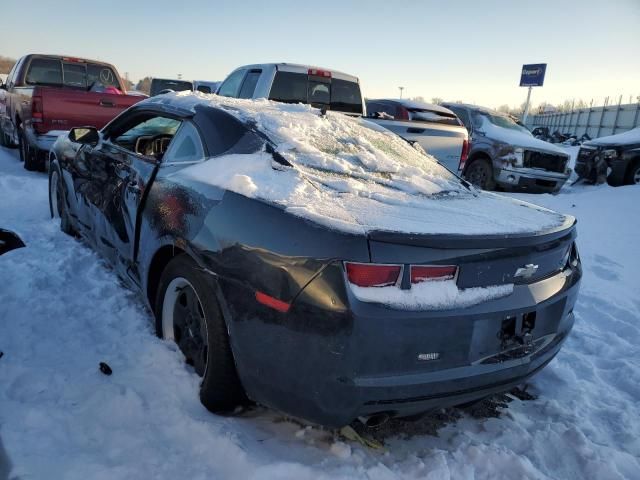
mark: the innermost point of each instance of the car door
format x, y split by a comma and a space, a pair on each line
123, 167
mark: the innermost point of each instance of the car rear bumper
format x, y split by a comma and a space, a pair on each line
331, 367
531, 179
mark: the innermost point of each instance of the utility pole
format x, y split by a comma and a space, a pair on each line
526, 107
179, 76
401, 89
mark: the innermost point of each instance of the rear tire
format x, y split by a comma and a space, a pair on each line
187, 313
480, 174
27, 155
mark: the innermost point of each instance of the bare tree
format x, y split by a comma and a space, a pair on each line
144, 85
6, 64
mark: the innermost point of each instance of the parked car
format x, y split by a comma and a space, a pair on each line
315, 262
46, 95
436, 129
506, 155
9, 241
292, 83
205, 86
163, 85
619, 154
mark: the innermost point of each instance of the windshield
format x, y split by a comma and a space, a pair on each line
502, 121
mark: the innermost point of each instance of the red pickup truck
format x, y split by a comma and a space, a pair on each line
46, 95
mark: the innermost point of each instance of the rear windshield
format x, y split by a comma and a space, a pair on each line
338, 95
89, 76
158, 84
433, 116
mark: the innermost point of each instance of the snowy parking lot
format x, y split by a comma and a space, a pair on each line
62, 312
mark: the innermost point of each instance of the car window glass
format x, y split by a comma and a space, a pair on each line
74, 74
289, 87
231, 85
319, 92
462, 114
249, 84
159, 84
204, 89
12, 72
44, 71
99, 77
345, 96
381, 110
149, 135
186, 146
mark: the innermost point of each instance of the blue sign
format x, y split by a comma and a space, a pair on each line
533, 75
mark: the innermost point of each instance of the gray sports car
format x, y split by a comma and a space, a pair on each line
316, 263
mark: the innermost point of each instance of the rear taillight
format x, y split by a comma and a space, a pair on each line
372, 275
36, 109
464, 154
426, 273
401, 113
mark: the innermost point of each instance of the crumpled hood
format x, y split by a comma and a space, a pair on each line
631, 137
520, 139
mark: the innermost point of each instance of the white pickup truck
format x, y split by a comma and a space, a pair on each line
436, 129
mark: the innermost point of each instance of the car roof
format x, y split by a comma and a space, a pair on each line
413, 104
300, 68
61, 57
471, 106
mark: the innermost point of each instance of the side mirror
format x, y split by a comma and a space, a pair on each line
84, 135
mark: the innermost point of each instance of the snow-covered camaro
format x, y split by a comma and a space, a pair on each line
315, 263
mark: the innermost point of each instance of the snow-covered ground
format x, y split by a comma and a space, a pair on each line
62, 312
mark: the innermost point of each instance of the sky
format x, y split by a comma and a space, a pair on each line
471, 51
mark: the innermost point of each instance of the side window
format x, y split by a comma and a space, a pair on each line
249, 84
186, 146
204, 89
148, 135
231, 85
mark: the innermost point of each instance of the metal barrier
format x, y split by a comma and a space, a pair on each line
594, 121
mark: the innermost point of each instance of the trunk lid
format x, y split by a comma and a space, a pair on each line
482, 260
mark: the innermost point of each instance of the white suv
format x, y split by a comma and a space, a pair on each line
291, 83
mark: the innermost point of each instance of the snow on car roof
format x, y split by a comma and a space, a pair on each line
353, 176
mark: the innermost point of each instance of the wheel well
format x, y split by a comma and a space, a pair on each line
631, 166
478, 156
158, 263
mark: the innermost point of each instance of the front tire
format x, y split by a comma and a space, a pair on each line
480, 174
633, 176
57, 204
187, 313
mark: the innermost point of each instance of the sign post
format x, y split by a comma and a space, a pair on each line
532, 76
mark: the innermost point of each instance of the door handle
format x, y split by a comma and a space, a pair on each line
107, 103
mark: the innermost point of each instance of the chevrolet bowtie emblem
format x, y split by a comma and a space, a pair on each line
527, 271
